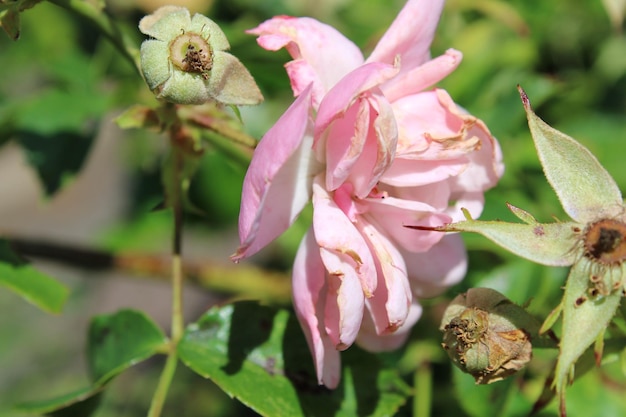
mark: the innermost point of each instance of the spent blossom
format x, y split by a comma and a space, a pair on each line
186, 62
374, 147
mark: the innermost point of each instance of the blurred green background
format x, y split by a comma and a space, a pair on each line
61, 84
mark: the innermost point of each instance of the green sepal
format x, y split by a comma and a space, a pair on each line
585, 189
544, 243
584, 319
138, 116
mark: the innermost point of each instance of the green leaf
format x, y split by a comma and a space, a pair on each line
118, 341
34, 286
258, 355
585, 189
583, 321
55, 156
81, 402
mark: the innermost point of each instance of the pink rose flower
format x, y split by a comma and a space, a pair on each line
374, 150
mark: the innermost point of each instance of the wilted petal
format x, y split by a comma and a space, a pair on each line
586, 190
369, 340
309, 295
321, 54
390, 303
278, 182
419, 79
444, 265
360, 145
410, 34
344, 299
341, 97
431, 127
335, 232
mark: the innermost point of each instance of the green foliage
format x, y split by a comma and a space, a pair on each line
258, 355
34, 286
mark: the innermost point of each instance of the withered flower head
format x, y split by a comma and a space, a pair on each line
486, 335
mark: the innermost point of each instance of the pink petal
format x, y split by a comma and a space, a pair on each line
278, 182
392, 214
444, 265
431, 127
341, 97
321, 54
360, 145
369, 340
413, 173
389, 306
420, 78
335, 232
309, 289
410, 35
344, 300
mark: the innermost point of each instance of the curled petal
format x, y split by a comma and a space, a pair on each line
321, 54
309, 289
344, 299
410, 34
444, 265
431, 127
389, 306
335, 232
341, 97
369, 340
360, 145
420, 78
278, 182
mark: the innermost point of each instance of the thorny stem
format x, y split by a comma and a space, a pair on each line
175, 199
106, 25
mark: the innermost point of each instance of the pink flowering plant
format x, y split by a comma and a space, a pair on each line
308, 185
374, 146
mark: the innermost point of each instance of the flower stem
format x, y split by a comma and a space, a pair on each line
423, 388
165, 380
175, 200
106, 25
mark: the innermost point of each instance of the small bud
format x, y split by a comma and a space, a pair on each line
186, 62
486, 335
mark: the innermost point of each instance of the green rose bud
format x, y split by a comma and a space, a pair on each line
186, 62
